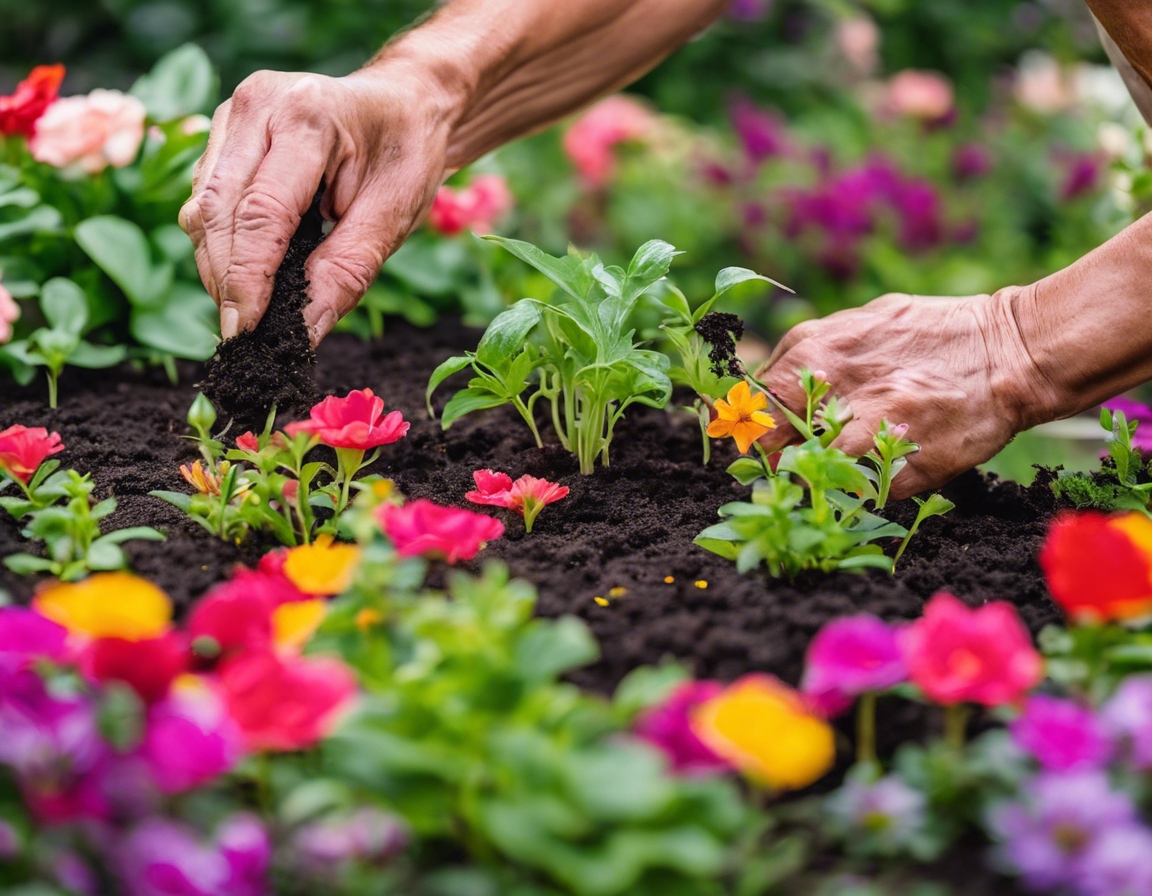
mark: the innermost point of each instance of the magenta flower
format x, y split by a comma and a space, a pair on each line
970, 161
668, 727
423, 528
1140, 413
748, 10
1083, 173
527, 495
762, 134
1061, 735
849, 657
188, 741
26, 636
917, 205
1127, 717
356, 421
23, 449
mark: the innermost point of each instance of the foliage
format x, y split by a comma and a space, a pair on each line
1124, 484
809, 511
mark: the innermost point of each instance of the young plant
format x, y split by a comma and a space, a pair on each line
61, 343
815, 510
1115, 487
577, 352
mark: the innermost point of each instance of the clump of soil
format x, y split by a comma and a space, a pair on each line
273, 364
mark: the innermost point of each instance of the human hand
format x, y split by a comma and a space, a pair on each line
378, 139
957, 371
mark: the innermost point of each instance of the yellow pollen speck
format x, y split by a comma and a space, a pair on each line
601, 601
668, 580
367, 618
701, 584
618, 591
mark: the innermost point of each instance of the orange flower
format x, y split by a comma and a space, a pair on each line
294, 623
742, 417
322, 567
765, 729
107, 605
204, 481
1099, 568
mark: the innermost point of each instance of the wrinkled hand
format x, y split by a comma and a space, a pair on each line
957, 371
378, 140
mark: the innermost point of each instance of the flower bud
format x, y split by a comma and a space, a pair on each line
201, 416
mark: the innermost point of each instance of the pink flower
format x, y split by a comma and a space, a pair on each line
248, 442
476, 207
23, 449
527, 495
26, 636
858, 39
850, 657
188, 740
421, 527
668, 727
148, 666
957, 654
1061, 734
237, 615
104, 128
356, 421
20, 111
927, 96
590, 142
9, 314
284, 703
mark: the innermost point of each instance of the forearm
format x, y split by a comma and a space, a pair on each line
1088, 328
511, 67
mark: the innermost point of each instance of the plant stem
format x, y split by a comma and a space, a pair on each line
527, 415
52, 389
866, 728
955, 726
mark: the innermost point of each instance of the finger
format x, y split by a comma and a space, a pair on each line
800, 332
190, 218
267, 214
856, 439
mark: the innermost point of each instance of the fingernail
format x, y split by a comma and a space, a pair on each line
229, 322
323, 326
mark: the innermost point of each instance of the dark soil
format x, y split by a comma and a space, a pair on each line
273, 364
627, 527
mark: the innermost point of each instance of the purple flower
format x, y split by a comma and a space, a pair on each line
1083, 172
1117, 863
1127, 717
26, 636
1140, 413
188, 741
668, 727
849, 657
918, 206
1061, 735
367, 835
888, 812
164, 858
73, 873
762, 134
1045, 836
748, 10
970, 161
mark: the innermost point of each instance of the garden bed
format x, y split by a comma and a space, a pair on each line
629, 526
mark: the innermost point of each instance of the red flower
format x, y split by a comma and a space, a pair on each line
148, 667
248, 442
284, 703
527, 495
20, 111
421, 527
23, 449
475, 207
1098, 567
237, 615
356, 421
957, 654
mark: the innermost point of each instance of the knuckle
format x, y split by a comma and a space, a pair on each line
211, 203
260, 209
189, 217
350, 275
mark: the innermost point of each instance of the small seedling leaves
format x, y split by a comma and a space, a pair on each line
64, 305
96, 357
504, 338
132, 533
867, 561
26, 564
182, 83
568, 272
441, 373
466, 401
120, 249
104, 556
746, 470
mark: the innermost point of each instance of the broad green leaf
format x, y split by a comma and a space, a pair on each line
104, 556
41, 219
120, 249
133, 533
745, 470
26, 564
866, 561
22, 197
182, 83
505, 336
550, 647
64, 305
177, 499
96, 357
728, 278
441, 373
184, 325
566, 272
466, 401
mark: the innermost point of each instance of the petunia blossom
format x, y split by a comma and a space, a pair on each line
148, 666
668, 727
527, 495
423, 528
958, 654
26, 636
9, 314
20, 111
476, 207
23, 449
742, 417
356, 421
590, 142
1127, 718
1062, 735
188, 739
105, 127
849, 657
1098, 567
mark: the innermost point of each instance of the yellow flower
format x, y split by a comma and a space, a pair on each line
742, 417
107, 605
763, 728
295, 622
368, 617
322, 567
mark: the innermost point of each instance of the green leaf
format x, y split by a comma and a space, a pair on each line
505, 336
183, 82
132, 533
177, 499
26, 564
104, 556
647, 686
549, 647
745, 470
441, 373
566, 272
96, 357
870, 561
728, 278
42, 219
466, 401
64, 305
184, 325
120, 249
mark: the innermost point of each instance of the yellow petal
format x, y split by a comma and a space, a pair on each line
758, 401
763, 728
322, 567
107, 605
725, 411
739, 394
720, 429
294, 623
763, 419
1138, 528
746, 433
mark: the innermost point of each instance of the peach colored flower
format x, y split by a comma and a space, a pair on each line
476, 207
91, 132
589, 143
9, 314
527, 495
741, 416
927, 96
858, 39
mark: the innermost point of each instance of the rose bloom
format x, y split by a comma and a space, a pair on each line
9, 314
927, 96
422, 527
1062, 735
356, 421
668, 727
105, 127
1099, 568
23, 449
476, 207
849, 657
590, 142
20, 111
956, 654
